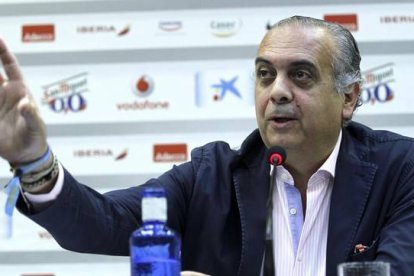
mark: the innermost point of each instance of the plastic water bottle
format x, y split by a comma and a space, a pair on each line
155, 249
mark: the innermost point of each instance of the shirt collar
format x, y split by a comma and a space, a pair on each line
330, 163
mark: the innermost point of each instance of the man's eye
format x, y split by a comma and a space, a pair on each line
302, 75
264, 74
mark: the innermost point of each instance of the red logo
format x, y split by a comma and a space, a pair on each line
38, 33
170, 153
348, 21
143, 86
121, 155
124, 31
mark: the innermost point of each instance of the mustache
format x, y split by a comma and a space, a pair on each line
283, 111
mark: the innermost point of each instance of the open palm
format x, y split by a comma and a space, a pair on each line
22, 131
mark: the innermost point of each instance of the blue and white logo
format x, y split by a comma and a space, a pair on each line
224, 88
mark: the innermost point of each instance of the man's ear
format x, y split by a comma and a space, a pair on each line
350, 101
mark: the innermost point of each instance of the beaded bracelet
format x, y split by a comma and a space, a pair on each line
13, 186
32, 177
36, 185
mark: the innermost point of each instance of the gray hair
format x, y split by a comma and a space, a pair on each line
346, 58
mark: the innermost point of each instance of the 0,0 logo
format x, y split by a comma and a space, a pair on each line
381, 93
74, 103
66, 94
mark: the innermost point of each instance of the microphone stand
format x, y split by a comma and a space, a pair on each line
276, 156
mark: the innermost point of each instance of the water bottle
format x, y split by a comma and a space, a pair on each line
154, 248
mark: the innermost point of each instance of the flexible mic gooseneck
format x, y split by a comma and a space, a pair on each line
276, 156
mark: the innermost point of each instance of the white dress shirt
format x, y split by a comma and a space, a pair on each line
300, 245
40, 199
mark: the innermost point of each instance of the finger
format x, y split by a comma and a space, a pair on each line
34, 123
10, 64
29, 110
2, 79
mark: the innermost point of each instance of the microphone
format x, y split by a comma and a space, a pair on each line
276, 155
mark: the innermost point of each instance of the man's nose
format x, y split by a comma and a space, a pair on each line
281, 92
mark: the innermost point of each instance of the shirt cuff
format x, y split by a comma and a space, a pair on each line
52, 195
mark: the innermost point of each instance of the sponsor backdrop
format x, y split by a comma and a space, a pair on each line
128, 90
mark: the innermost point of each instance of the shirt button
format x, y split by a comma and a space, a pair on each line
292, 211
299, 259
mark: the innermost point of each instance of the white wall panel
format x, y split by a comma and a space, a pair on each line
195, 28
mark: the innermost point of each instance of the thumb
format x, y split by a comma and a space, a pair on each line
29, 111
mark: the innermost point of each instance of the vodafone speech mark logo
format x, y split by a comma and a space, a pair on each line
144, 86
170, 153
38, 33
348, 21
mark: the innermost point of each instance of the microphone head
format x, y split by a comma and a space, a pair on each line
276, 155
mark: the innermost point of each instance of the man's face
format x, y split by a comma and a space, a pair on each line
297, 106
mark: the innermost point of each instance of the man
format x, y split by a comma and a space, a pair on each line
345, 192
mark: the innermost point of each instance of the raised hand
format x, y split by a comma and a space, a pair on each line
22, 131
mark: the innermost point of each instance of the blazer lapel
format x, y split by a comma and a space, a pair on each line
251, 183
351, 189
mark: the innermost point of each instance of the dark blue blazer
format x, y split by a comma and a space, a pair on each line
217, 203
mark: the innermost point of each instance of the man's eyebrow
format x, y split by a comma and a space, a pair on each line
297, 63
305, 63
263, 60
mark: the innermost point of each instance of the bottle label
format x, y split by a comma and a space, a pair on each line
154, 261
151, 267
154, 208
